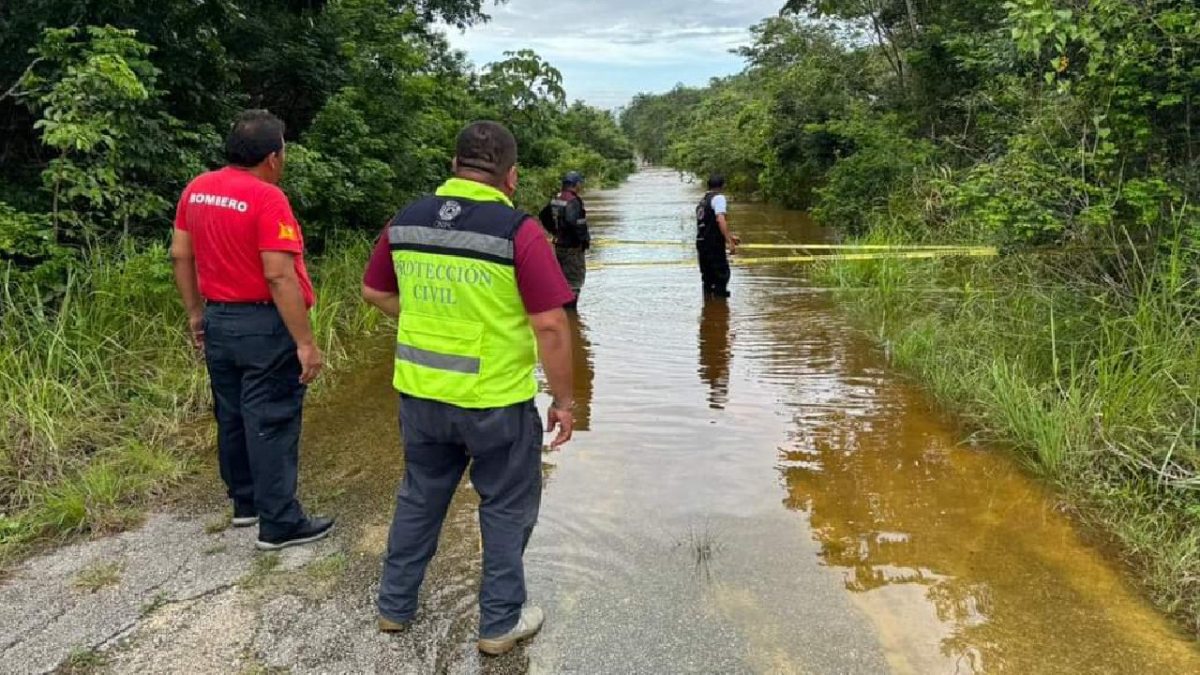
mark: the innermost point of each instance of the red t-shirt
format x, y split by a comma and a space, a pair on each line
233, 217
539, 277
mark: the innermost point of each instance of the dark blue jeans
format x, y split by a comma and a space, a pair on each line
258, 401
504, 449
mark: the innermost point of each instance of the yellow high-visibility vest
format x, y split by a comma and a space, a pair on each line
463, 336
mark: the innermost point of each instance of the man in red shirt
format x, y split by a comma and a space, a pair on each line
479, 296
238, 254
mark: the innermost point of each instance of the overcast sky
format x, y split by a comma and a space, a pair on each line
610, 50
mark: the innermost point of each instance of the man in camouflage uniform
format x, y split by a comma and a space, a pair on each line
565, 218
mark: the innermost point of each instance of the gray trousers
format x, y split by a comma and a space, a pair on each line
504, 449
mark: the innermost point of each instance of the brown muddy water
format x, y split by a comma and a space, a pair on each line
752, 489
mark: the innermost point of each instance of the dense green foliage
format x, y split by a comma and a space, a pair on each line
108, 108
1063, 130
1027, 121
99, 387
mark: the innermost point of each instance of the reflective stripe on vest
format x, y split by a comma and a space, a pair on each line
451, 241
422, 357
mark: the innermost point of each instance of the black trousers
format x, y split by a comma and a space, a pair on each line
258, 401
714, 269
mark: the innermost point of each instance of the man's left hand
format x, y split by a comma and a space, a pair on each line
562, 419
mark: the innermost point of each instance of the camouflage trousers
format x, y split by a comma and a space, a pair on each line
574, 267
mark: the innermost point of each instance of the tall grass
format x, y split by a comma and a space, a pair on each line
98, 385
1087, 363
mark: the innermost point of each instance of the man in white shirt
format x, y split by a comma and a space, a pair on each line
714, 240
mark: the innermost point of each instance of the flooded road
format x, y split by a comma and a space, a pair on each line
752, 489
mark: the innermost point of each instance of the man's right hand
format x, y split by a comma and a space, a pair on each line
196, 327
562, 419
311, 362
732, 243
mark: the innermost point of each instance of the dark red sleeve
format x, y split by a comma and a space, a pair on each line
539, 278
381, 274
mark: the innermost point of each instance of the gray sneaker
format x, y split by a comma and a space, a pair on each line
527, 626
244, 515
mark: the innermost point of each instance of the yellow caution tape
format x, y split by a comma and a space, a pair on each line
638, 242
802, 247
861, 247
981, 251
647, 263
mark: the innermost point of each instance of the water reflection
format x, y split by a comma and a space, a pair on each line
585, 374
963, 563
715, 351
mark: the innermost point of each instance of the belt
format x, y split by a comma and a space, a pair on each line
248, 303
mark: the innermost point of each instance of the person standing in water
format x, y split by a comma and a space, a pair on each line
565, 218
714, 241
479, 297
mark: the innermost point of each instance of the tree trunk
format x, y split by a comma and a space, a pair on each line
54, 217
912, 16
890, 50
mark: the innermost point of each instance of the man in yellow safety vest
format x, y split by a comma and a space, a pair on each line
479, 295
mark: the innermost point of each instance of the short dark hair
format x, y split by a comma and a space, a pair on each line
486, 147
254, 136
716, 181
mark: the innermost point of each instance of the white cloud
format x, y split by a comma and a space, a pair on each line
609, 51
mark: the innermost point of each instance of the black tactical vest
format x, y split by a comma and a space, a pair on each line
708, 232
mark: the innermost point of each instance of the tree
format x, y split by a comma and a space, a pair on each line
597, 130
526, 93
108, 108
387, 134
100, 111
651, 121
893, 23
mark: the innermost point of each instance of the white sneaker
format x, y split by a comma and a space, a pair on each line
527, 626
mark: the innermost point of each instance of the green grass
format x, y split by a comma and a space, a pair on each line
82, 661
101, 575
1088, 364
327, 569
219, 524
99, 389
262, 569
319, 579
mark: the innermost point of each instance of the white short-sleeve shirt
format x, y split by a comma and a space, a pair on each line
719, 205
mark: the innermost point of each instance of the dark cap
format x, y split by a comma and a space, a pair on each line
572, 178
